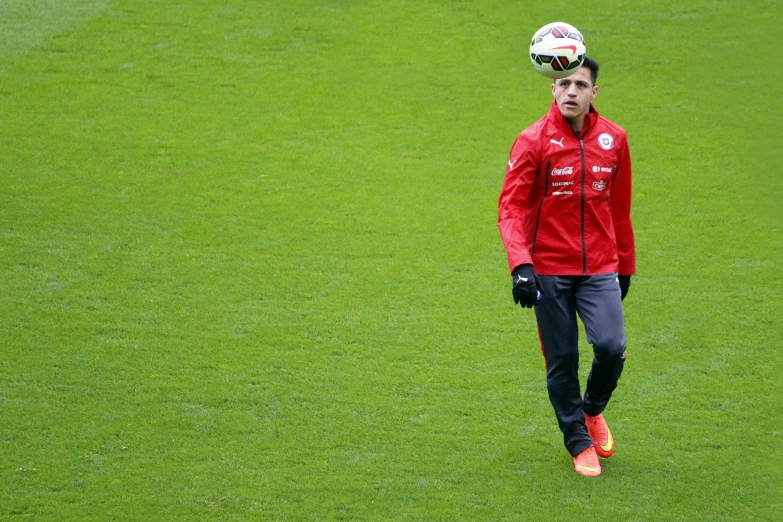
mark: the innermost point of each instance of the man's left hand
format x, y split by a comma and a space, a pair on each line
625, 282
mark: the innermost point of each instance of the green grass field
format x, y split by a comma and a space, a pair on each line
251, 268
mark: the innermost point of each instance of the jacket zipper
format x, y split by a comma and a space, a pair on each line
584, 247
540, 206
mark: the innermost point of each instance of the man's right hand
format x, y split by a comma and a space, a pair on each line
525, 285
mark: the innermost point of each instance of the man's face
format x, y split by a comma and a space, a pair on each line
574, 93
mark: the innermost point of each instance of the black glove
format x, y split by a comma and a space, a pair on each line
526, 285
625, 282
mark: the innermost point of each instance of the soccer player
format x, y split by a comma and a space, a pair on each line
564, 216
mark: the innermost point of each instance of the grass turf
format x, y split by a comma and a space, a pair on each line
251, 267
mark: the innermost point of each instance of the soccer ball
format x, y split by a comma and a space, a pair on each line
557, 50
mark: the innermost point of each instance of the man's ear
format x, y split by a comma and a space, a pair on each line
595, 93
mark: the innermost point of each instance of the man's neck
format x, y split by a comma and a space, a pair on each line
576, 123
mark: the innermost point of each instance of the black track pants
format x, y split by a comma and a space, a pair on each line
597, 301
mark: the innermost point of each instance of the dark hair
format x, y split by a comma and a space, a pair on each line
593, 66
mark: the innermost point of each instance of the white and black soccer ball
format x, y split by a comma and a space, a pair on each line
557, 50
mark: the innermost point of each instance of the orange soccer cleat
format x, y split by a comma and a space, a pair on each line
602, 437
586, 463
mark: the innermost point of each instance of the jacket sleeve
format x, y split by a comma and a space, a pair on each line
621, 211
515, 200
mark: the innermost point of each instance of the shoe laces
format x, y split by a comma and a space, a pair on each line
588, 457
598, 426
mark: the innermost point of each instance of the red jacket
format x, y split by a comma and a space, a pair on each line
566, 202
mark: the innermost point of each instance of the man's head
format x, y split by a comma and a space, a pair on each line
593, 66
574, 93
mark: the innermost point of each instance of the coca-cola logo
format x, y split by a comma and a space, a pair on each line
565, 171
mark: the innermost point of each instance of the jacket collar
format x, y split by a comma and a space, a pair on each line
556, 117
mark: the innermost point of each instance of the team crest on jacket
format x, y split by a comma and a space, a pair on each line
605, 141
